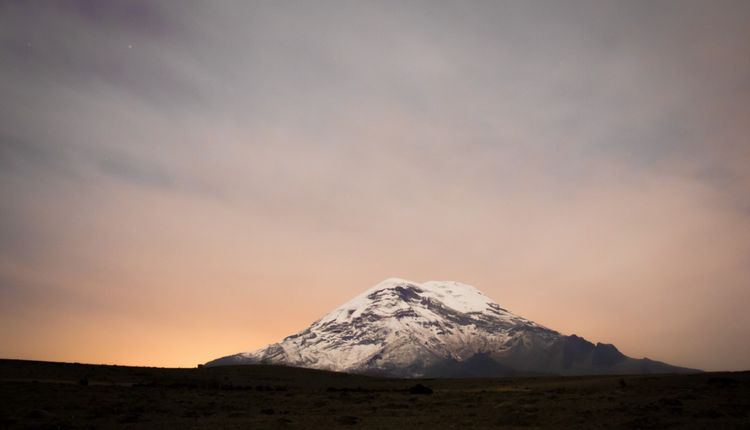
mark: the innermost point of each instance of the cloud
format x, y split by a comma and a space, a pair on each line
581, 162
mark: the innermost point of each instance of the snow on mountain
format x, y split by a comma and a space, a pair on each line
404, 328
402, 324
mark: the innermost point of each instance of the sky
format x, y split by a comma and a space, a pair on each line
180, 181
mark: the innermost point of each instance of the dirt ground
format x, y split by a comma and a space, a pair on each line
62, 396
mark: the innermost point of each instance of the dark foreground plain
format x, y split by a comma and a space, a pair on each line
61, 396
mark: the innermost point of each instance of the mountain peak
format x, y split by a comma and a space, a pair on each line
455, 295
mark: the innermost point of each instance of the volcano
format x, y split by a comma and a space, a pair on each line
401, 328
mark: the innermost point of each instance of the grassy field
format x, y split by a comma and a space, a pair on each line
62, 395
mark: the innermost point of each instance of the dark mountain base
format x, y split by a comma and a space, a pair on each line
57, 395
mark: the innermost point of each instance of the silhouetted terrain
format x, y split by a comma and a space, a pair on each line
59, 395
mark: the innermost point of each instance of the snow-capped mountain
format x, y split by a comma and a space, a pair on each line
404, 328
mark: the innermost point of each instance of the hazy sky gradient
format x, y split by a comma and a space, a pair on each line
185, 180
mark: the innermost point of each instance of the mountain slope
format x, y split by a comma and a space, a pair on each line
438, 329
